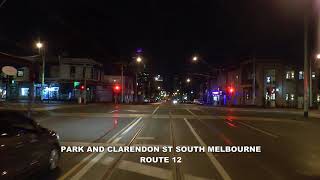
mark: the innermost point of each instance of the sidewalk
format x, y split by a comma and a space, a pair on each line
38, 106
315, 113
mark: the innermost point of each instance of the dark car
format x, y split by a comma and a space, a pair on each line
25, 147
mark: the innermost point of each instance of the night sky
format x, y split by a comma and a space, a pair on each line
220, 31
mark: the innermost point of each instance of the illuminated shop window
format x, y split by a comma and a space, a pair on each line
292, 97
268, 79
290, 75
24, 92
301, 74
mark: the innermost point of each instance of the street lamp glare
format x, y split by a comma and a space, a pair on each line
318, 56
39, 45
195, 58
188, 80
139, 59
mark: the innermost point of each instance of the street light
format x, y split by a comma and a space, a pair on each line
39, 45
159, 87
318, 56
139, 59
188, 80
195, 58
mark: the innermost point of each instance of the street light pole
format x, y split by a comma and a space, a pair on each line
42, 56
306, 70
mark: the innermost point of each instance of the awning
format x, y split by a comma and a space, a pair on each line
15, 61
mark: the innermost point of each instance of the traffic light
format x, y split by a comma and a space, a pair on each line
82, 87
231, 90
116, 88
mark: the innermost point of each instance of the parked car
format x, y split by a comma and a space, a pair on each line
25, 146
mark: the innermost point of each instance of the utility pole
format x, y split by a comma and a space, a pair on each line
31, 89
310, 84
122, 84
136, 87
85, 85
306, 69
254, 81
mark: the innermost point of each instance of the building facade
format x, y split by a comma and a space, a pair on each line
265, 82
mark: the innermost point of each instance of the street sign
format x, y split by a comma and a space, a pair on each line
9, 70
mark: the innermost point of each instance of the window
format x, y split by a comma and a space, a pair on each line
313, 75
72, 72
268, 79
273, 96
292, 97
301, 75
24, 92
20, 73
290, 75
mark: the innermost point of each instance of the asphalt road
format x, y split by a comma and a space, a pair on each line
290, 146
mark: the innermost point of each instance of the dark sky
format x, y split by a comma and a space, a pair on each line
169, 31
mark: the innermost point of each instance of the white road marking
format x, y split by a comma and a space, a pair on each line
152, 171
119, 132
74, 168
145, 138
86, 144
107, 161
128, 129
132, 110
191, 177
116, 110
115, 141
155, 110
83, 170
145, 169
193, 114
257, 129
213, 160
87, 167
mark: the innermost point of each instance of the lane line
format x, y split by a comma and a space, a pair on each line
84, 160
257, 129
88, 166
74, 168
193, 114
191, 177
119, 132
211, 157
145, 138
86, 144
145, 169
155, 110
128, 129
114, 111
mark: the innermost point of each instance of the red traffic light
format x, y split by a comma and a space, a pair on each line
82, 87
230, 90
116, 88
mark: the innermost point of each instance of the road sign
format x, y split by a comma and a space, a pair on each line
9, 70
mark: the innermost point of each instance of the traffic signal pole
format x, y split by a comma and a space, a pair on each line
122, 84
